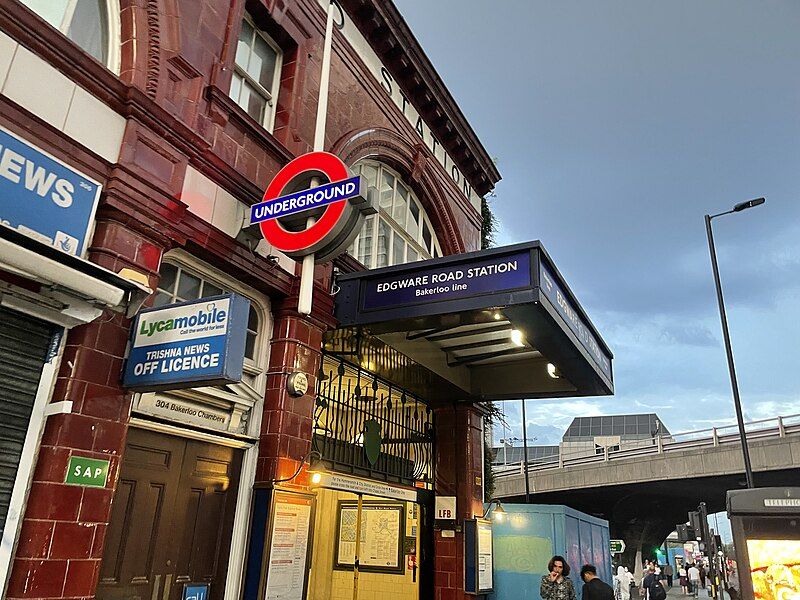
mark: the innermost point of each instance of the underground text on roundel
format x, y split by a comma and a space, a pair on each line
463, 280
305, 200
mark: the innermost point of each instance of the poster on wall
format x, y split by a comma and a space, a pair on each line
288, 546
382, 526
484, 556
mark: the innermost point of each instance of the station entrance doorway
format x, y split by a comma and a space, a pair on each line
389, 548
373, 451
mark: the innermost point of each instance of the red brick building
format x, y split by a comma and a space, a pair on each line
134, 136
181, 111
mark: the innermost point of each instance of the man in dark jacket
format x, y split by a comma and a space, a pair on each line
594, 588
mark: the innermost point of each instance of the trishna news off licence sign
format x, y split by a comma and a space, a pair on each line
200, 342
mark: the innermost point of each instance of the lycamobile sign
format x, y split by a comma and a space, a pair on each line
188, 344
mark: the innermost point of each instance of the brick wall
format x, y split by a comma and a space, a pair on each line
61, 541
458, 473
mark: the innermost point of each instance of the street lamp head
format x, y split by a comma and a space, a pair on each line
749, 204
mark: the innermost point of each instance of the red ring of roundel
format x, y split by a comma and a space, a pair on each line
292, 241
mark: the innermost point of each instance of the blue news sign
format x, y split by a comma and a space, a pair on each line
561, 302
43, 198
463, 280
305, 200
200, 342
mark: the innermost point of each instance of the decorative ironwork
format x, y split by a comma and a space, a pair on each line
365, 425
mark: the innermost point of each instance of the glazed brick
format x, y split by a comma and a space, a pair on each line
92, 366
112, 339
81, 577
109, 437
72, 540
103, 402
51, 464
77, 432
34, 539
446, 564
37, 579
95, 506
99, 540
53, 501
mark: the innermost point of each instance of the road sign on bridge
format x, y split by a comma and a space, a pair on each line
617, 546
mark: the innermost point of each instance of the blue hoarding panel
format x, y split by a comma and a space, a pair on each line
530, 534
200, 342
42, 197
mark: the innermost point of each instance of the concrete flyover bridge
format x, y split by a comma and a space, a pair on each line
643, 491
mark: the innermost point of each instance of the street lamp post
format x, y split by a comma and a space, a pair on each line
748, 469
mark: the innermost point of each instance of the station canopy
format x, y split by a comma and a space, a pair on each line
496, 324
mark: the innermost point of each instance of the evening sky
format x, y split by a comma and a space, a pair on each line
616, 126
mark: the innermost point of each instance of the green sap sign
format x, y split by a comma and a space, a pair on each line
617, 546
87, 471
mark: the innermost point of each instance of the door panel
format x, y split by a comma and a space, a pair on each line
171, 519
141, 516
210, 481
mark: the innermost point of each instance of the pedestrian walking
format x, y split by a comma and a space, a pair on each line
702, 570
557, 585
651, 586
669, 573
733, 583
595, 588
662, 576
622, 584
684, 580
694, 579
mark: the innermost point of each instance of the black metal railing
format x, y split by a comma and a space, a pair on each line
367, 426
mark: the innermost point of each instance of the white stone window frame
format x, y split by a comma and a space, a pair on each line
113, 43
270, 96
414, 242
253, 385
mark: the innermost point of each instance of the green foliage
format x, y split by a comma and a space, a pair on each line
488, 457
488, 224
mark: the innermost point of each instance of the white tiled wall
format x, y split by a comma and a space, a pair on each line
219, 207
50, 95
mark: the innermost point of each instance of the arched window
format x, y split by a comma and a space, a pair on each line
401, 232
91, 24
182, 279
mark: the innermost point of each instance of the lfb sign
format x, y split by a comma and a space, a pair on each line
43, 198
337, 206
182, 345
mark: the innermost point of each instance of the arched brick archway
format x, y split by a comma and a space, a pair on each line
413, 163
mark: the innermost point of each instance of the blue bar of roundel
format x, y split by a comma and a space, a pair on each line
281, 207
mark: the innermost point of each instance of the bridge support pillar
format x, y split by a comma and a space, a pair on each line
459, 473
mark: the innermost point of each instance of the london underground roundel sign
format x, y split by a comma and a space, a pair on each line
316, 185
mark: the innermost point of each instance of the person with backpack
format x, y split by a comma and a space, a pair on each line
651, 585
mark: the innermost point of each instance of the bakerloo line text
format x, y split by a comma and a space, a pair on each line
453, 277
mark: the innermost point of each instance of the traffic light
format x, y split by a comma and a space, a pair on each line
686, 533
696, 522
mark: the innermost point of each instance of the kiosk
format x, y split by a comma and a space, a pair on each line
766, 533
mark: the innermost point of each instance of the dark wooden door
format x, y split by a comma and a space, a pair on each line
171, 518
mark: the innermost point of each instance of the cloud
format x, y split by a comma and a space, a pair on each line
688, 335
